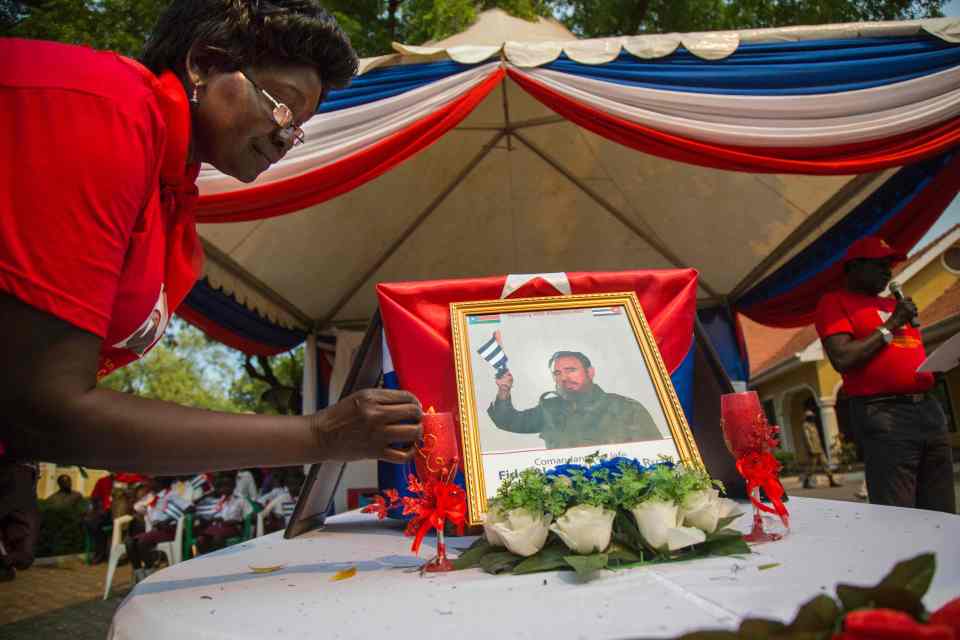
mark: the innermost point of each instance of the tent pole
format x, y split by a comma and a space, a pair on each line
612, 210
420, 219
827, 209
523, 124
506, 113
309, 388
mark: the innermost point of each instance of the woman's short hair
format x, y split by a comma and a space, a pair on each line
239, 33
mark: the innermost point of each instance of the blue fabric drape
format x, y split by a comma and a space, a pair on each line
870, 215
234, 317
794, 68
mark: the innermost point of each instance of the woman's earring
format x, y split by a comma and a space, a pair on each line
195, 99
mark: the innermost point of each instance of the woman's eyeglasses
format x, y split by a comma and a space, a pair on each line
282, 116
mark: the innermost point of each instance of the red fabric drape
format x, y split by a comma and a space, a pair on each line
416, 319
796, 308
837, 160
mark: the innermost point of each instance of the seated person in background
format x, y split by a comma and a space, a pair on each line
66, 496
162, 511
274, 521
246, 485
219, 516
183, 486
202, 485
818, 458
294, 483
99, 516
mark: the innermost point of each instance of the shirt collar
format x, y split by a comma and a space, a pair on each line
175, 109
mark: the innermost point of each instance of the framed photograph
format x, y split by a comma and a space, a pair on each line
548, 381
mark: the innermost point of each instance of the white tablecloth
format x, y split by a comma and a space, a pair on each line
218, 597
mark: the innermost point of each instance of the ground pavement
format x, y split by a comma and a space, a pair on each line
54, 602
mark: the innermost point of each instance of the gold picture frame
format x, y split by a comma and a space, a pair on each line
617, 317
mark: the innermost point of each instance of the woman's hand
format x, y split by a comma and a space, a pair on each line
372, 423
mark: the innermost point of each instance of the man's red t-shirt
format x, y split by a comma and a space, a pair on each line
893, 370
96, 226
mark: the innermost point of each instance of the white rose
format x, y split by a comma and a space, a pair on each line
729, 508
654, 519
493, 516
584, 528
699, 499
522, 532
682, 537
702, 510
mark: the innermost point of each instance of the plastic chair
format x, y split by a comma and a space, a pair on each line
189, 540
88, 543
117, 550
172, 549
267, 511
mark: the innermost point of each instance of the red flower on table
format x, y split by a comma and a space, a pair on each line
379, 506
889, 624
434, 503
948, 616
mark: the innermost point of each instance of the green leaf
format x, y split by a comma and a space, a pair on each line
765, 567
819, 614
725, 546
499, 562
471, 556
585, 565
723, 523
914, 575
853, 597
759, 629
618, 555
625, 532
547, 559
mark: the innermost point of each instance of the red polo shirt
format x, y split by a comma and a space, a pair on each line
891, 371
96, 223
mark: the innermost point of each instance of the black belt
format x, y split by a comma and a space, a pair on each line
903, 398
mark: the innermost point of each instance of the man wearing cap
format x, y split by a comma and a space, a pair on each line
870, 341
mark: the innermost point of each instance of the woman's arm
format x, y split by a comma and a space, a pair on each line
56, 413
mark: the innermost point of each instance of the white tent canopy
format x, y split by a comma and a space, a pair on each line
516, 188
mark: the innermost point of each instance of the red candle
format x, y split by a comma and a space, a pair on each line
743, 422
438, 453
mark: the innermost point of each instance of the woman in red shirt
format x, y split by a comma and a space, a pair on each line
98, 244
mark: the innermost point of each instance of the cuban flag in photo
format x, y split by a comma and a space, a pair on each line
492, 352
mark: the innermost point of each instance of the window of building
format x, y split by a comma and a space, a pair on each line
951, 259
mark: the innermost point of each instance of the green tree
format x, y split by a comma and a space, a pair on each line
185, 367
117, 25
123, 25
270, 385
594, 18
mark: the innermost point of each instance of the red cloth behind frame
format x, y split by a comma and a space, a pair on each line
416, 320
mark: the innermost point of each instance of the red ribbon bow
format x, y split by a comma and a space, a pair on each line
433, 504
761, 469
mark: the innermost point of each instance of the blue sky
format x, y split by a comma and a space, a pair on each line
951, 216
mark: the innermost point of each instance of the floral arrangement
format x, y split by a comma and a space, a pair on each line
612, 514
893, 609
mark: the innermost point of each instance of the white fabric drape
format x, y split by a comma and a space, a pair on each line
332, 136
772, 121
